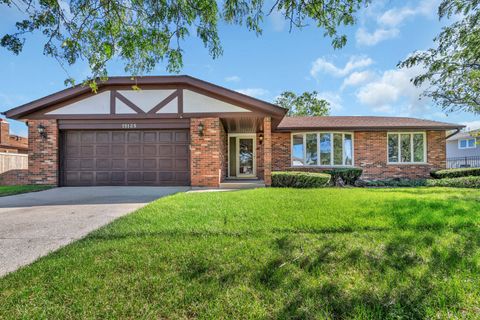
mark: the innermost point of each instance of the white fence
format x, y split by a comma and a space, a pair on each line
13, 161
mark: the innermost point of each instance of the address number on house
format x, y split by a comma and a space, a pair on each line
129, 125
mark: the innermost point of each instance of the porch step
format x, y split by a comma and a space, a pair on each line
242, 184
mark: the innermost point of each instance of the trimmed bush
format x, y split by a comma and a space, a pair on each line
455, 173
396, 182
462, 182
293, 179
348, 175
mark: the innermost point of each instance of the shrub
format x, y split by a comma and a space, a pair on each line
455, 173
293, 179
462, 182
348, 175
396, 182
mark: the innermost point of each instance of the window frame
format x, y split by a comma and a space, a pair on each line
467, 147
412, 155
318, 133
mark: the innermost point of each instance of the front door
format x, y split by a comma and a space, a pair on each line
243, 157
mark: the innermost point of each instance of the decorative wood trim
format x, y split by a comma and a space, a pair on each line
180, 102
129, 103
163, 103
112, 101
140, 124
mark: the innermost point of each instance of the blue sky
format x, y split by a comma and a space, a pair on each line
360, 79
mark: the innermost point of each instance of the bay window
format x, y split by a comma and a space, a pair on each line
322, 149
406, 147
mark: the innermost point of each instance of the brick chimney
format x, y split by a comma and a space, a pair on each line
4, 132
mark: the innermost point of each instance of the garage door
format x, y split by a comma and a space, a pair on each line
143, 157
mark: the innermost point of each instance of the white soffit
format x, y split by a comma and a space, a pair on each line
122, 108
195, 102
97, 104
171, 107
146, 99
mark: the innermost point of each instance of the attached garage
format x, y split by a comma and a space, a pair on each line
124, 157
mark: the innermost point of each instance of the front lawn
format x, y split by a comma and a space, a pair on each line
267, 253
11, 190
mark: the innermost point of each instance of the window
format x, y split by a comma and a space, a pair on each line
322, 149
467, 143
406, 147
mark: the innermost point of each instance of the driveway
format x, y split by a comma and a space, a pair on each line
34, 224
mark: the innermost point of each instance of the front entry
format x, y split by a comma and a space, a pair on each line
242, 156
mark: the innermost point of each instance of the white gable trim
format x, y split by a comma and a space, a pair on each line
198, 103
146, 99
97, 104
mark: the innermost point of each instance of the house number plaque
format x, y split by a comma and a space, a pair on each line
129, 125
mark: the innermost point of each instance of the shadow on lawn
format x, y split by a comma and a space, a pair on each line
406, 273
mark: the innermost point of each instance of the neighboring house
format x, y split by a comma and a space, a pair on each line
463, 150
179, 130
11, 143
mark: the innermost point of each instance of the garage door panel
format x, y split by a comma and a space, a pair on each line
118, 150
140, 157
149, 150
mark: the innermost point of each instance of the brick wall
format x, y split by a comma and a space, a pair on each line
14, 177
267, 151
43, 153
370, 154
207, 152
280, 151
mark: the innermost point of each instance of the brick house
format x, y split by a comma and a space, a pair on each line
10, 143
178, 130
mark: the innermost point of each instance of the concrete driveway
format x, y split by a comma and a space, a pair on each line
34, 224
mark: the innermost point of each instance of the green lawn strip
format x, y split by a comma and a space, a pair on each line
11, 190
268, 253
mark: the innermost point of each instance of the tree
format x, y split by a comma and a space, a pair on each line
452, 68
143, 33
307, 104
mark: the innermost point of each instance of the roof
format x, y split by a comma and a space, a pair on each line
181, 80
361, 122
461, 135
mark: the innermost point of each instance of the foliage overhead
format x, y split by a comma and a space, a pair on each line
143, 33
306, 104
452, 68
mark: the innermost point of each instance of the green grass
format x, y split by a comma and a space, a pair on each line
268, 254
11, 190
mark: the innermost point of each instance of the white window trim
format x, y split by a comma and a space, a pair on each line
467, 147
425, 160
318, 165
241, 135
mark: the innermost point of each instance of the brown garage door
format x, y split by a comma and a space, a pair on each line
143, 157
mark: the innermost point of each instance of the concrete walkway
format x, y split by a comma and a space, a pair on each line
34, 224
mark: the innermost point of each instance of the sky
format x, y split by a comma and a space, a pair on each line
359, 79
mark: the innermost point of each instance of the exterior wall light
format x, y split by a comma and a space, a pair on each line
42, 131
260, 138
201, 127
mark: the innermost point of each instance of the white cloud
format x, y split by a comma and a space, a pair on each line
396, 16
472, 125
232, 79
394, 91
356, 78
254, 92
366, 38
333, 98
321, 65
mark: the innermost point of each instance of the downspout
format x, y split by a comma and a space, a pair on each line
452, 134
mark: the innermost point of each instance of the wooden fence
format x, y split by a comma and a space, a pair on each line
13, 161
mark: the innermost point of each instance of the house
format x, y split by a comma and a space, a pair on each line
11, 143
179, 130
463, 150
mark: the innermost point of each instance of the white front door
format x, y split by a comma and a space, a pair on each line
244, 151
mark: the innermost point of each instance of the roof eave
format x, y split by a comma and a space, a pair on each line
69, 93
289, 129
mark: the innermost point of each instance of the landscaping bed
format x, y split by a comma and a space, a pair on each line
268, 253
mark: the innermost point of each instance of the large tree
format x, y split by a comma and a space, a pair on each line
306, 104
143, 33
452, 67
